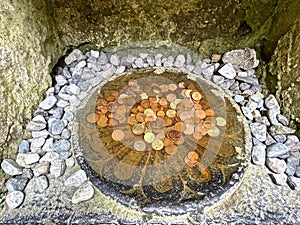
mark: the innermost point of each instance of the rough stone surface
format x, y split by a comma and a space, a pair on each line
41, 169
23, 146
26, 159
16, 184
241, 58
10, 167
37, 184
294, 183
259, 154
56, 127
259, 131
278, 150
279, 179
58, 167
227, 71
83, 193
276, 165
76, 179
14, 199
48, 103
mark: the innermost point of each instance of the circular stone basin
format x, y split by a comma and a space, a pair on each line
162, 140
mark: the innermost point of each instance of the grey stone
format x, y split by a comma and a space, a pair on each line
83, 85
66, 73
255, 98
39, 118
272, 115
189, 59
278, 150
14, 199
76, 179
260, 103
280, 138
279, 129
247, 113
208, 71
56, 127
131, 58
75, 78
49, 157
57, 112
217, 79
259, 154
88, 74
227, 71
143, 55
276, 165
73, 89
251, 105
70, 162
168, 62
16, 184
48, 103
95, 81
42, 113
114, 59
27, 173
244, 86
291, 166
279, 179
62, 103
10, 167
69, 116
102, 58
190, 67
259, 131
95, 54
41, 168
120, 69
282, 119
248, 80
62, 145
139, 62
248, 92
75, 55
108, 73
271, 102
48, 146
58, 167
38, 184
256, 88
242, 74
78, 69
23, 146
150, 61
241, 58
179, 61
66, 133
197, 70
65, 155
26, 159
263, 120
238, 98
270, 140
255, 141
297, 172
35, 126
294, 183
36, 144
227, 83
83, 193
61, 80
235, 86
40, 134
293, 143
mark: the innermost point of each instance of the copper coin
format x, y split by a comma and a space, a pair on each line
197, 135
153, 99
102, 122
101, 102
132, 120
189, 162
110, 98
181, 85
209, 112
140, 117
199, 128
155, 107
134, 110
172, 87
200, 114
160, 113
203, 132
117, 135
138, 129
171, 97
102, 110
170, 149
112, 122
193, 156
114, 93
196, 96
180, 141
140, 108
191, 86
92, 118
161, 135
163, 102
110, 115
121, 109
167, 141
197, 106
180, 126
168, 121
145, 103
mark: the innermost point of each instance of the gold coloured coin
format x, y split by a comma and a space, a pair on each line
197, 135
197, 106
196, 96
102, 122
139, 146
92, 118
117, 135
173, 105
160, 113
110, 98
187, 93
209, 112
147, 111
132, 120
189, 162
214, 132
157, 144
172, 87
140, 108
220, 121
138, 129
145, 103
180, 126
171, 113
140, 117
163, 102
170, 149
167, 141
149, 137
168, 121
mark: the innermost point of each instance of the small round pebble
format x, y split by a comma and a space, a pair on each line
14, 199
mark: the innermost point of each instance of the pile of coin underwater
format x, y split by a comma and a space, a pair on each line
160, 116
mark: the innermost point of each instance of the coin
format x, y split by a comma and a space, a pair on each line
220, 121
147, 111
171, 97
156, 89
140, 108
161, 135
110, 98
145, 103
214, 132
197, 135
168, 121
171, 113
170, 149
114, 93
134, 110
180, 141
139, 146
112, 122
181, 85
164, 87
140, 117
155, 107
200, 114
180, 126
197, 106
172, 87
190, 128
157, 144
209, 112
185, 115
101, 110
102, 122
209, 124
138, 129
149, 137
193, 156
117, 135
167, 141
187, 92
144, 96
101, 102
163, 102
153, 99
160, 113
121, 109
196, 96
92, 118
189, 162
172, 105
132, 120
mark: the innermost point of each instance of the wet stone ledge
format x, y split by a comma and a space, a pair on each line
48, 156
